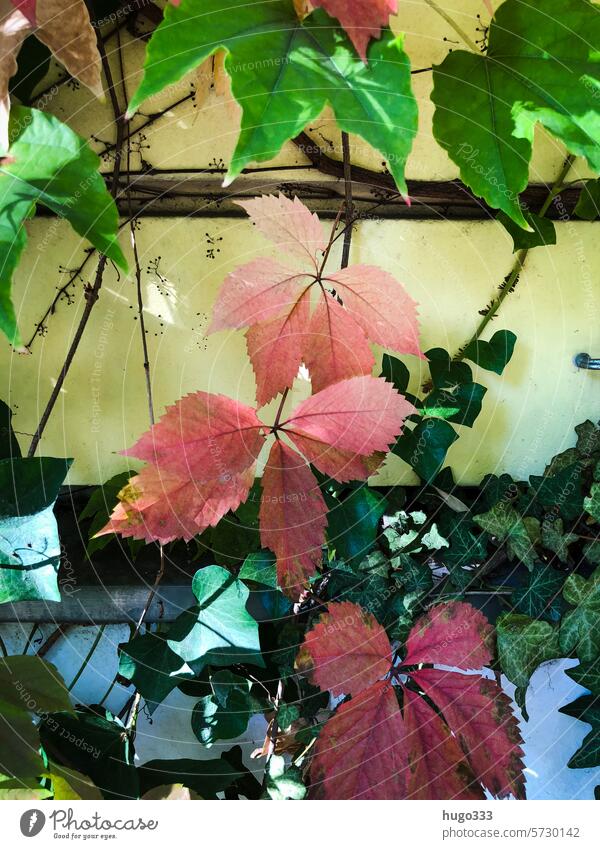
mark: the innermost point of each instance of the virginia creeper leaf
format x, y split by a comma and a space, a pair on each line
454, 634
303, 65
362, 19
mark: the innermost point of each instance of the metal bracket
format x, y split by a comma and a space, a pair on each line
585, 361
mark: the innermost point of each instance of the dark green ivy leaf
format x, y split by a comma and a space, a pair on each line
395, 372
425, 447
151, 666
539, 597
352, 523
586, 709
542, 231
561, 491
495, 354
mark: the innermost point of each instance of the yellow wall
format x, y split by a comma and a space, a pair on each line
451, 268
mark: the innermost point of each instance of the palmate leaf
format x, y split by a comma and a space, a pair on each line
204, 450
541, 65
284, 71
356, 306
372, 749
48, 163
362, 19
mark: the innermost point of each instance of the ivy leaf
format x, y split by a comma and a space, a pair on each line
580, 628
554, 538
541, 65
352, 523
283, 782
99, 507
505, 523
205, 777
259, 567
356, 306
592, 503
48, 163
304, 65
586, 709
151, 666
425, 446
539, 597
395, 372
493, 355
30, 549
588, 204
219, 630
224, 714
28, 685
541, 231
96, 745
586, 675
561, 490
63, 27
524, 644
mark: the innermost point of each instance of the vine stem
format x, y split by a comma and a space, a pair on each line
87, 658
513, 276
92, 294
349, 206
451, 22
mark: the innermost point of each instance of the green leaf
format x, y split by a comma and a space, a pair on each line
523, 644
29, 545
414, 576
28, 685
541, 65
592, 503
455, 396
539, 597
98, 746
48, 163
151, 666
99, 508
560, 491
503, 522
219, 630
493, 355
425, 447
586, 675
580, 628
395, 372
283, 73
554, 538
9, 445
592, 552
542, 231
352, 523
224, 714
586, 709
284, 782
260, 567
588, 205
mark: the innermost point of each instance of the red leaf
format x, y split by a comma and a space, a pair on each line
346, 651
288, 224
156, 505
360, 751
293, 517
437, 766
260, 290
370, 305
202, 436
359, 416
362, 19
275, 350
453, 634
337, 347
479, 715
380, 305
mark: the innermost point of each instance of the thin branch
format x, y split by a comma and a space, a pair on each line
92, 293
349, 208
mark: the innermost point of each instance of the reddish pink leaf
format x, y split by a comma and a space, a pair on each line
346, 651
362, 19
275, 350
288, 224
336, 347
453, 634
360, 751
437, 766
293, 518
260, 290
27, 8
380, 305
157, 506
479, 715
361, 415
202, 436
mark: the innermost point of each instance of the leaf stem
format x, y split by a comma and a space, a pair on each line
87, 658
